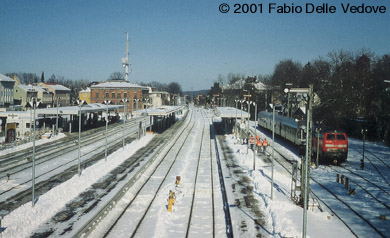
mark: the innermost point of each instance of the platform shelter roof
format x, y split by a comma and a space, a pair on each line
162, 110
231, 112
74, 110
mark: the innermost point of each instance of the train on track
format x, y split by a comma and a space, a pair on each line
332, 145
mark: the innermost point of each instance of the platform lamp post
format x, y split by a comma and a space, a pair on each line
31, 122
56, 132
273, 150
105, 153
241, 102
249, 118
235, 123
136, 100
146, 108
34, 104
79, 103
125, 100
254, 157
364, 132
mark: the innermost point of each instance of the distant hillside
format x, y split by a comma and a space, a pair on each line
194, 93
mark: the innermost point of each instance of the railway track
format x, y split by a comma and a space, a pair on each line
17, 159
348, 206
375, 157
19, 192
145, 212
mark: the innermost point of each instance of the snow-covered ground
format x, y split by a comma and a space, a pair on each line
29, 144
24, 220
281, 217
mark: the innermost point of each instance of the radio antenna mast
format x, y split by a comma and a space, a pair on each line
125, 60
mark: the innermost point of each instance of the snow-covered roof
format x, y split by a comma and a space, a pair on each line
26, 87
260, 86
240, 83
87, 90
59, 87
121, 84
41, 89
158, 92
5, 78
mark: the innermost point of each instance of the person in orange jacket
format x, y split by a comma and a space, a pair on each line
259, 145
265, 144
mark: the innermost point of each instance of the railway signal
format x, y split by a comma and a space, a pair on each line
307, 96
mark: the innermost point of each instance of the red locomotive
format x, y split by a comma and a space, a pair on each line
332, 147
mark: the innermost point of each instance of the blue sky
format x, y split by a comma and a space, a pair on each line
186, 41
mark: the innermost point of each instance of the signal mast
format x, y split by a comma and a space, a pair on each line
125, 60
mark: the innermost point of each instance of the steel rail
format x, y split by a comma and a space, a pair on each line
91, 225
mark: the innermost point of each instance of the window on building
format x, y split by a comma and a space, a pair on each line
119, 95
125, 95
107, 95
97, 94
112, 95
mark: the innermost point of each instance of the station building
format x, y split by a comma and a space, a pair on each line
117, 90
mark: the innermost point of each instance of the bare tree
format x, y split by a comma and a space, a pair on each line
116, 76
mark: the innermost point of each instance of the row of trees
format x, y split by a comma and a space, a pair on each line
349, 86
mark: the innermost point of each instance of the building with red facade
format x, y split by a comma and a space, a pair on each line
115, 91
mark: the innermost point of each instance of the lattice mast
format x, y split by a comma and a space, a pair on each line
125, 60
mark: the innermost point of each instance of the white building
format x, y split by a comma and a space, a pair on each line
6, 91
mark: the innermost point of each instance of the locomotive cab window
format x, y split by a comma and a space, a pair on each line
330, 137
340, 137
